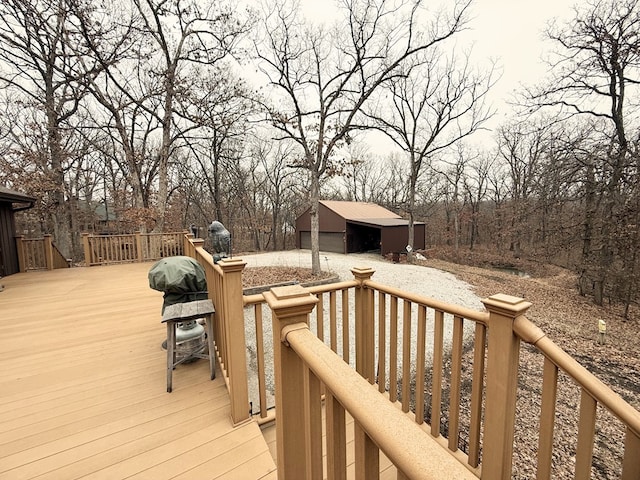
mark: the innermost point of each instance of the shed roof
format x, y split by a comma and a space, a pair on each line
8, 195
359, 210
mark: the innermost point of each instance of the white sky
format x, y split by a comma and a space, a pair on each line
509, 31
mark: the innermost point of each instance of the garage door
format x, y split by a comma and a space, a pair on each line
329, 242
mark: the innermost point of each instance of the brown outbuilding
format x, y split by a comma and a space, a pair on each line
351, 227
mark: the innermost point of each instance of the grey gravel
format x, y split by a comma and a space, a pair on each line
424, 281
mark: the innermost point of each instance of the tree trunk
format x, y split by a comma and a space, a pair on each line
165, 150
315, 225
60, 216
587, 231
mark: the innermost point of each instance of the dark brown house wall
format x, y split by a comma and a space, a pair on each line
8, 252
395, 239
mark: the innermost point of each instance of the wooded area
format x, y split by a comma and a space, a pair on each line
150, 115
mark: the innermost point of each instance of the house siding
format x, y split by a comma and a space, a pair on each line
8, 250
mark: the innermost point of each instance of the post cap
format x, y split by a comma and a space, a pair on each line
507, 305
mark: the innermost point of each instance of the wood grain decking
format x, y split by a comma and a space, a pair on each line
83, 387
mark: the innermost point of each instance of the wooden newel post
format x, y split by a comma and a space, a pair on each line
87, 249
48, 251
186, 244
365, 338
502, 384
234, 336
139, 251
291, 306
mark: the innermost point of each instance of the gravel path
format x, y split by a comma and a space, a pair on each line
419, 280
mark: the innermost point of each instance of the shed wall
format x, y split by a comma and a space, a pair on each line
395, 239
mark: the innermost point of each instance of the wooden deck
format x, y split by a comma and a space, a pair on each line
83, 387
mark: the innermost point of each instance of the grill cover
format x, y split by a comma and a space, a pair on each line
181, 278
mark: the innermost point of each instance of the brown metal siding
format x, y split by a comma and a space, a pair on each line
328, 219
8, 252
395, 239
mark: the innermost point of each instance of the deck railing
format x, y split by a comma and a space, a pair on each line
396, 342
137, 247
39, 254
224, 281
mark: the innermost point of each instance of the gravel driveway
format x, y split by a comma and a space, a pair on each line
419, 280
424, 281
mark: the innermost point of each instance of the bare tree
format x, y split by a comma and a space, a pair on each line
44, 69
437, 103
594, 71
274, 160
322, 77
522, 147
476, 186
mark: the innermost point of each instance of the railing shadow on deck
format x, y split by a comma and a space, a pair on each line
382, 333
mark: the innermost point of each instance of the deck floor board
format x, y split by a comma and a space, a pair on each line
83, 387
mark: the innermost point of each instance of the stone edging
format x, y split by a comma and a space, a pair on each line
265, 288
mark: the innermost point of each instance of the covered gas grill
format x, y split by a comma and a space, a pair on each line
185, 306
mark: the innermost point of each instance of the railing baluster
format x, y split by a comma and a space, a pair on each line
262, 388
436, 393
420, 363
406, 355
631, 460
382, 337
547, 419
332, 321
320, 317
345, 326
367, 455
313, 421
370, 337
336, 439
480, 342
456, 374
393, 349
586, 433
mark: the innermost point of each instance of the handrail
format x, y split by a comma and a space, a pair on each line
410, 449
257, 298
600, 392
380, 315
224, 282
456, 310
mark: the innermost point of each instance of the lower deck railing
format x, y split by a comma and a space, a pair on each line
136, 247
450, 371
39, 254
